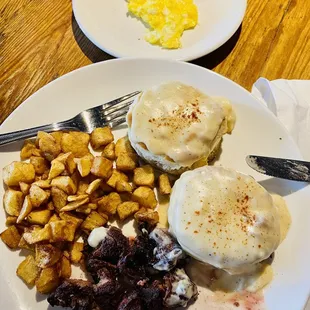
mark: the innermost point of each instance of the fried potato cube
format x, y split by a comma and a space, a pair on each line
93, 186
50, 206
17, 172
92, 206
116, 176
24, 187
68, 160
67, 216
37, 153
75, 142
63, 157
54, 218
59, 198
44, 176
44, 184
47, 255
126, 162
48, 145
109, 203
26, 209
11, 237
83, 209
106, 188
27, 149
12, 202
65, 183
76, 197
96, 195
32, 228
164, 184
62, 230
144, 176
76, 252
65, 268
102, 167
40, 134
147, 215
57, 168
48, 280
28, 271
101, 137
38, 196
75, 176
71, 165
126, 209
123, 146
75, 204
87, 209
24, 245
57, 135
109, 151
66, 253
93, 220
145, 197
10, 220
40, 164
123, 187
39, 217
38, 234
82, 187
84, 164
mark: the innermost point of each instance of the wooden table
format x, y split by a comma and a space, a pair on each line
40, 41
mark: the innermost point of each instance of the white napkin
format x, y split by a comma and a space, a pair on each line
289, 100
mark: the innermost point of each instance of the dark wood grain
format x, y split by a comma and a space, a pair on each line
40, 41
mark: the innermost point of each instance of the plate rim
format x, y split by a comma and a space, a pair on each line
187, 57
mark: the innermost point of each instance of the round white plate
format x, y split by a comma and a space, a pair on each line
257, 132
107, 24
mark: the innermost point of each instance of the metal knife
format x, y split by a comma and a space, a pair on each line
289, 169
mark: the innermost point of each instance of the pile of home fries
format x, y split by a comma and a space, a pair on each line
60, 191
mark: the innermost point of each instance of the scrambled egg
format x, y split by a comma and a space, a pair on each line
167, 19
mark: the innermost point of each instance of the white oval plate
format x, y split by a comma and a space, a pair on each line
107, 24
257, 132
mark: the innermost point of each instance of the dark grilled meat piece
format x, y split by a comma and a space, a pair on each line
132, 267
114, 245
94, 265
145, 226
108, 291
75, 294
129, 275
152, 297
140, 252
107, 294
131, 301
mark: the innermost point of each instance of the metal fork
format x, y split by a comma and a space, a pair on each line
110, 114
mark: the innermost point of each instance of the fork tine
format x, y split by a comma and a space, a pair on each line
114, 115
112, 109
117, 122
119, 100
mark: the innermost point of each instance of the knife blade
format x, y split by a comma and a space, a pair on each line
289, 169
